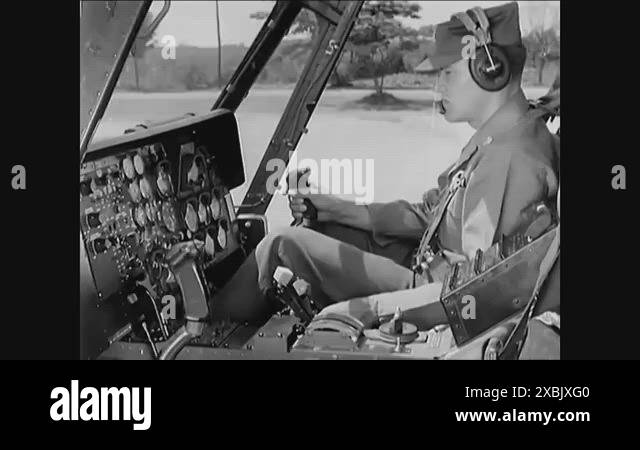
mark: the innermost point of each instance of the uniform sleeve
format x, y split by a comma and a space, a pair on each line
500, 188
398, 220
482, 204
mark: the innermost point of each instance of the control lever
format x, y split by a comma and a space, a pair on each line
293, 293
311, 214
398, 332
183, 260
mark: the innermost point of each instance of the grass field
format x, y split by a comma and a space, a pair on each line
409, 148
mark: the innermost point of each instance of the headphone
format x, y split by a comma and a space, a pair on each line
490, 69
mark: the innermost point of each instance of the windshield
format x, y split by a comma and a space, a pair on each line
179, 68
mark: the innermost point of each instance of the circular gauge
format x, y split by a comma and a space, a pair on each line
134, 191
165, 186
203, 214
140, 216
191, 217
151, 210
169, 217
146, 188
222, 237
138, 164
127, 167
210, 241
215, 206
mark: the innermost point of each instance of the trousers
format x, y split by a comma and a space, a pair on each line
339, 262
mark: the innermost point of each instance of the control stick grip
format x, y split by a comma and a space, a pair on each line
311, 213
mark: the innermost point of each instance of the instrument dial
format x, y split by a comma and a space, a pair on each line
169, 217
128, 168
140, 216
222, 238
134, 191
203, 209
222, 234
139, 164
215, 206
165, 186
210, 241
191, 218
146, 188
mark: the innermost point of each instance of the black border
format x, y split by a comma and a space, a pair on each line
40, 272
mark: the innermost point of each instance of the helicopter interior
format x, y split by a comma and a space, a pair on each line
160, 232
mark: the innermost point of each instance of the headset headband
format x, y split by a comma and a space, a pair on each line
481, 31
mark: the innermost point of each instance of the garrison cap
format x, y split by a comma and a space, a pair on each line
504, 27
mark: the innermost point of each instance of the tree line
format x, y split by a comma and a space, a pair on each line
379, 45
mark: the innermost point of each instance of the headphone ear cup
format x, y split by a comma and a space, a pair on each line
490, 77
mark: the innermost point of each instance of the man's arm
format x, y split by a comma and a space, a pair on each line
332, 209
500, 188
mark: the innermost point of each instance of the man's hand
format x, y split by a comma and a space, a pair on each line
327, 205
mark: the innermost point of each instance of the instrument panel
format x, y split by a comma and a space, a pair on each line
143, 192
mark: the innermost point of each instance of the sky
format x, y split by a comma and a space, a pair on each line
194, 22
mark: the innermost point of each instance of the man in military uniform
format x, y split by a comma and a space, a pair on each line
366, 251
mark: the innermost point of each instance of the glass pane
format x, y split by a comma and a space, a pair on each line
175, 71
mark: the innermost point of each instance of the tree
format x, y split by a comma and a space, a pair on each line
376, 41
141, 44
541, 23
379, 38
542, 46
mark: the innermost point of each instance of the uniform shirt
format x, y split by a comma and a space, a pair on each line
509, 163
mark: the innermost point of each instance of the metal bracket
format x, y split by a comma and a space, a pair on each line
324, 10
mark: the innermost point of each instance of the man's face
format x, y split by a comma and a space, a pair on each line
462, 99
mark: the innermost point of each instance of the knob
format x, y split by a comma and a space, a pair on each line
282, 276
301, 287
93, 220
396, 322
